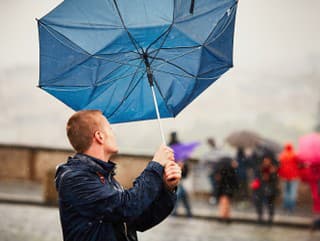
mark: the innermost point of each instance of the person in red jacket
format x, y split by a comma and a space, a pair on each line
289, 173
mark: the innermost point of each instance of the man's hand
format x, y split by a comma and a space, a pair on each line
171, 175
163, 155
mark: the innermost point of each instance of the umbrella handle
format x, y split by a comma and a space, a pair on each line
158, 114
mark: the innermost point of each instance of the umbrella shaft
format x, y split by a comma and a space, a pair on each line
148, 68
158, 114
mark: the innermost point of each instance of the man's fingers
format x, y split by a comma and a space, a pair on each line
172, 168
173, 172
173, 177
170, 163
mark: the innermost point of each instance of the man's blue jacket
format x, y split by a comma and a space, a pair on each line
94, 207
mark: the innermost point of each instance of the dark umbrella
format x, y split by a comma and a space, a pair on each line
243, 139
270, 145
135, 59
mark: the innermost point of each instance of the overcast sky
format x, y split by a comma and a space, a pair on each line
274, 87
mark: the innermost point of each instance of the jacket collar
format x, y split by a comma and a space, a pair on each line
95, 164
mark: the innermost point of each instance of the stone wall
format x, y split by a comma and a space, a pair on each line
38, 164
32, 163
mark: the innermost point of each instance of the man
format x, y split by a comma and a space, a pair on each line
93, 206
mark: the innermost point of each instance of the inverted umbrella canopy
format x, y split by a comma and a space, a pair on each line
105, 54
309, 148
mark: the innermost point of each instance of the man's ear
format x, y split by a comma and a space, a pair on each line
99, 137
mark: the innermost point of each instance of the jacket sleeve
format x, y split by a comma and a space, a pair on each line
91, 198
156, 213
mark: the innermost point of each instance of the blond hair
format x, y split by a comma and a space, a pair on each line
81, 128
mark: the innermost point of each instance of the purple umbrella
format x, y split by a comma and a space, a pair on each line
183, 151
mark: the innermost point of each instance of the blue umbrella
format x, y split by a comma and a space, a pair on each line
106, 54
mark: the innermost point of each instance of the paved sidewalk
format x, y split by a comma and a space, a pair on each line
30, 193
36, 223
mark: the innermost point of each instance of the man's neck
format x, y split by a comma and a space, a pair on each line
98, 153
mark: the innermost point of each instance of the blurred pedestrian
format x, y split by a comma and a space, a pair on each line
210, 159
309, 161
310, 173
242, 176
289, 173
174, 138
182, 194
93, 205
265, 188
225, 185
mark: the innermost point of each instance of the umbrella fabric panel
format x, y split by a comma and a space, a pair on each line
76, 97
78, 68
100, 23
51, 66
103, 26
207, 15
141, 13
219, 43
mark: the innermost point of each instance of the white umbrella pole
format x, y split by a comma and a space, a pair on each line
158, 114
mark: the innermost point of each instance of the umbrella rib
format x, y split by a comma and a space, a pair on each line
115, 69
160, 36
129, 93
54, 79
115, 80
168, 61
177, 66
216, 69
135, 73
165, 38
84, 25
134, 42
181, 75
178, 47
86, 86
179, 56
59, 25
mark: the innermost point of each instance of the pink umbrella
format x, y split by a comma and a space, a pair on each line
309, 154
309, 148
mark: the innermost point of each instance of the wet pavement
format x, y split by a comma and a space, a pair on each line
242, 212
35, 223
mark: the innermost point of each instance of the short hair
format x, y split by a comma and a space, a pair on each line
81, 128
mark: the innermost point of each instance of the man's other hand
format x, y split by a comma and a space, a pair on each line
171, 175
